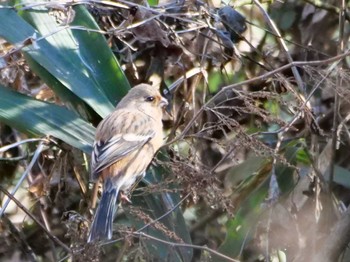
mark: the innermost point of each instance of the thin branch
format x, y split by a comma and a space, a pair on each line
252, 80
165, 214
323, 5
24, 176
25, 210
282, 43
340, 127
8, 147
286, 128
336, 98
152, 222
173, 244
19, 236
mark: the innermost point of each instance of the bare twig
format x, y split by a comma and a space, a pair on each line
19, 236
340, 127
252, 80
165, 214
283, 45
153, 221
339, 84
8, 147
24, 176
173, 244
18, 203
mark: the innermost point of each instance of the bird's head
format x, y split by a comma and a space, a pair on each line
144, 97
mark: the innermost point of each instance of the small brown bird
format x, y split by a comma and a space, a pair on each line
125, 143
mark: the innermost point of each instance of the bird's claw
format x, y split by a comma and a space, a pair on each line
125, 198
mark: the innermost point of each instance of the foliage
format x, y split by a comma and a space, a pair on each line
255, 167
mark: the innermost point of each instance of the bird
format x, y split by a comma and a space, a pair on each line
125, 144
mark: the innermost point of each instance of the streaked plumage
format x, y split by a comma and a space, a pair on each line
125, 143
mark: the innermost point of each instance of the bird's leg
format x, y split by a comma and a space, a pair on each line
124, 197
94, 194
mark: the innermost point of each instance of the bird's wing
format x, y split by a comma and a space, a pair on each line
122, 143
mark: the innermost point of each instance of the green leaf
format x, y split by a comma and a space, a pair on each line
93, 51
88, 47
70, 100
39, 118
152, 2
244, 178
296, 154
252, 191
66, 66
248, 195
239, 229
96, 53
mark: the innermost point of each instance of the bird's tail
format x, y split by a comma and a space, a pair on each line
102, 226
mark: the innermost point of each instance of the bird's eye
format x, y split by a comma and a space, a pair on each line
149, 99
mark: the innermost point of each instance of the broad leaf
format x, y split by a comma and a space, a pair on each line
40, 118
72, 74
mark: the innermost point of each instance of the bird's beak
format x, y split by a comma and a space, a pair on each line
166, 106
163, 102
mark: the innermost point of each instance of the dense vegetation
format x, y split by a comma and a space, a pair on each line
256, 161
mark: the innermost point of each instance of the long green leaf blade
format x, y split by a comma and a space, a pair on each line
96, 53
93, 51
40, 118
73, 75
